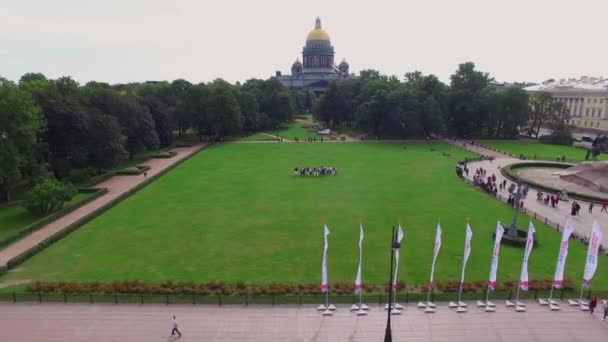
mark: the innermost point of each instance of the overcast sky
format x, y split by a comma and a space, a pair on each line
119, 41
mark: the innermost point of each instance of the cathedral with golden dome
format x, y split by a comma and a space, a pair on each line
317, 68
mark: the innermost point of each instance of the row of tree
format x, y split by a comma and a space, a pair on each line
60, 127
422, 105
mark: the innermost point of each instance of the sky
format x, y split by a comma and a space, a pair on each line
119, 41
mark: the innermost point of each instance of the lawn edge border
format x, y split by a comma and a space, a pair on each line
97, 192
19, 259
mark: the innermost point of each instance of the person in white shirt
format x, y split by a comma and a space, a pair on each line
174, 327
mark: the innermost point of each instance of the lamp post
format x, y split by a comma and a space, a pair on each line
395, 245
519, 192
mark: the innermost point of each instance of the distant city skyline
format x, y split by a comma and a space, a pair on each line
135, 40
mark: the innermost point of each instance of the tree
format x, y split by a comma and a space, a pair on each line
20, 123
223, 110
105, 144
508, 111
48, 196
138, 125
467, 103
66, 121
161, 115
334, 106
541, 107
250, 110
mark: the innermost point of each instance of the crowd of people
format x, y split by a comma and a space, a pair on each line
315, 171
548, 199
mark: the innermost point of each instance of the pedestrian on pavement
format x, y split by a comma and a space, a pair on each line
174, 327
605, 310
604, 205
591, 208
145, 174
592, 304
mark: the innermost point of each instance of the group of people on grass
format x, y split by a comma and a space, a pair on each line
315, 171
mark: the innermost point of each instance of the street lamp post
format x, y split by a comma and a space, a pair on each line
388, 334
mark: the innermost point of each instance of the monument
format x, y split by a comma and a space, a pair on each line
317, 69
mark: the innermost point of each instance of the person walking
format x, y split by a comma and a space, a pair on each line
605, 310
174, 327
592, 304
145, 174
590, 207
604, 205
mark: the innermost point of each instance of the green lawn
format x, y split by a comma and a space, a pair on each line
235, 212
14, 217
542, 151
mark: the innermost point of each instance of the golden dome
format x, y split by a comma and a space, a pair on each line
317, 33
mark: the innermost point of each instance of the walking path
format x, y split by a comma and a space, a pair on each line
133, 323
116, 186
582, 223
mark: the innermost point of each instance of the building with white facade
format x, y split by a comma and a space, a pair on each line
586, 98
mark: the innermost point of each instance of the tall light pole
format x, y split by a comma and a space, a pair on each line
395, 245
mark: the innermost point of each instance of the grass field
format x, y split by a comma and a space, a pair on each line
235, 212
542, 151
14, 217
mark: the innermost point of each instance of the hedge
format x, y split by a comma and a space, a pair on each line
133, 170
97, 179
508, 172
164, 154
223, 288
19, 259
53, 216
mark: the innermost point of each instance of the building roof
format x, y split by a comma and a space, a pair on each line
317, 33
583, 83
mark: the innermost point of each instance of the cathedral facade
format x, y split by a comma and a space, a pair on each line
317, 69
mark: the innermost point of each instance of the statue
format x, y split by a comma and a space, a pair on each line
599, 145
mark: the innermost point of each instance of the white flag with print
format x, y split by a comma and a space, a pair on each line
435, 252
400, 235
494, 269
358, 281
592, 254
324, 266
523, 279
558, 278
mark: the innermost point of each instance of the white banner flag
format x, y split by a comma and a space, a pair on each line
558, 278
435, 252
494, 270
399, 238
592, 254
324, 265
358, 283
523, 279
467, 251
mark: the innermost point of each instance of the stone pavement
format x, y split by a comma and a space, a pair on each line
116, 186
109, 322
582, 222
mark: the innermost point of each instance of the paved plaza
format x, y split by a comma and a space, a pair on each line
134, 323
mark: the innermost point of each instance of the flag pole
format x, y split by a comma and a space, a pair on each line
388, 334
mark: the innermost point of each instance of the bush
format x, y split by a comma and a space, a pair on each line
558, 137
133, 170
80, 175
48, 196
164, 154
